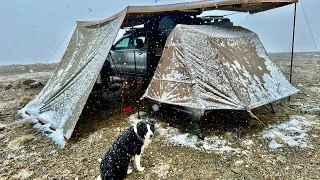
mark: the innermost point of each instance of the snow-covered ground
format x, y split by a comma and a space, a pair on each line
173, 136
293, 133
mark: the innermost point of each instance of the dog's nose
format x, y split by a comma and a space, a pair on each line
151, 135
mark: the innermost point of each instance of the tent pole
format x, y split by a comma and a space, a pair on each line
252, 115
135, 70
293, 33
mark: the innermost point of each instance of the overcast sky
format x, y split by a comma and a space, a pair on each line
32, 30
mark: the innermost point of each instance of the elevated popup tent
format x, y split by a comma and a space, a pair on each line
207, 67
59, 105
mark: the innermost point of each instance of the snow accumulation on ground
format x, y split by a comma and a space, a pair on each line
292, 133
173, 136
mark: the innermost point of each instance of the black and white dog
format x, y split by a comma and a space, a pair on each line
115, 163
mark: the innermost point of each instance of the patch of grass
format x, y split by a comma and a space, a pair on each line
17, 142
24, 100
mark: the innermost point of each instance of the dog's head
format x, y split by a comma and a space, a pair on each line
144, 129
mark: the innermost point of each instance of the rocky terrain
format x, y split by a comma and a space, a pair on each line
284, 145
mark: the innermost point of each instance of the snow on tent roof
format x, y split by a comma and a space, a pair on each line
208, 67
61, 101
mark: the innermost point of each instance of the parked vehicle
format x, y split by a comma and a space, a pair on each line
138, 51
129, 54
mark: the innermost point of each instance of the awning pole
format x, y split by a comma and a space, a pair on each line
293, 33
135, 70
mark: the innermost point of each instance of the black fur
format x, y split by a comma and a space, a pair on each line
115, 163
141, 129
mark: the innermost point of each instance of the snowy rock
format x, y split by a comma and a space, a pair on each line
238, 163
35, 85
282, 159
295, 105
28, 82
2, 127
9, 86
2, 137
309, 109
10, 156
236, 170
68, 171
23, 174
315, 111
11, 111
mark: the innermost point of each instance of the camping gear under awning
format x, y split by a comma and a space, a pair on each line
58, 106
208, 67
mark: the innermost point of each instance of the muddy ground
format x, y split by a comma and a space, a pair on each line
26, 153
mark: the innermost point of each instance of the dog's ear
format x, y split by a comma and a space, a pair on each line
142, 129
151, 122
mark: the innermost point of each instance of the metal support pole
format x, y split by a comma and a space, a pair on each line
135, 70
293, 33
272, 109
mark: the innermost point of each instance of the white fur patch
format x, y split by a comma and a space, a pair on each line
147, 137
135, 128
138, 163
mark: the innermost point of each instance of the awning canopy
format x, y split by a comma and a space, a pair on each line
58, 106
136, 15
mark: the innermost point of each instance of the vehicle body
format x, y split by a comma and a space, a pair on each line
138, 51
129, 54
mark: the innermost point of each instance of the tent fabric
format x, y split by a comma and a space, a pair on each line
59, 105
139, 14
61, 101
215, 67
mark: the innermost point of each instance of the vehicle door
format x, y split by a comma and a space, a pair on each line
137, 51
118, 53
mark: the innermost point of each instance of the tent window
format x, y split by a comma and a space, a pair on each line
123, 44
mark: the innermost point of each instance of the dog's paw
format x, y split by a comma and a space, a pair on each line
140, 169
129, 171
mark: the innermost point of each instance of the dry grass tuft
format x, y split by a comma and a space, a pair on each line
24, 100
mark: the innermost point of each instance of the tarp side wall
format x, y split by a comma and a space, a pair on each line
61, 102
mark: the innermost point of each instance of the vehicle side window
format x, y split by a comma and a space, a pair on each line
139, 42
123, 44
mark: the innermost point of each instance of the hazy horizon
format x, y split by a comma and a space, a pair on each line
316, 53
35, 29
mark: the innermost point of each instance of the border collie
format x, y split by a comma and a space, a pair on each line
115, 164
